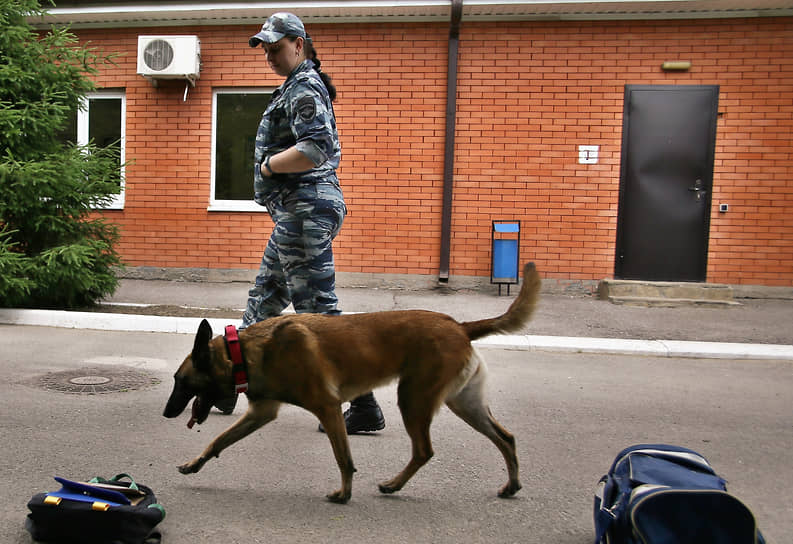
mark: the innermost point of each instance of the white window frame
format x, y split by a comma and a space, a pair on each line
83, 113
217, 205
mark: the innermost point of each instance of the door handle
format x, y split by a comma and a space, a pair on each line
697, 188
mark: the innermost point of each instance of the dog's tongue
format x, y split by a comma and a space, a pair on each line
194, 413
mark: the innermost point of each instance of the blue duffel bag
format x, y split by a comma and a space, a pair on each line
661, 494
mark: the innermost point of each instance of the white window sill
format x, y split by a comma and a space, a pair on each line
236, 206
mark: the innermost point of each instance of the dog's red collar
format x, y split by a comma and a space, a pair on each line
238, 368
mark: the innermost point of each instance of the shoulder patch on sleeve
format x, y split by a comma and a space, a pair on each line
306, 108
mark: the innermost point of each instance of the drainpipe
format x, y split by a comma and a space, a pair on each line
448, 156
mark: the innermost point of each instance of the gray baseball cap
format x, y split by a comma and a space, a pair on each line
276, 27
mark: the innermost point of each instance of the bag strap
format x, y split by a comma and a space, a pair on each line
604, 516
157, 506
115, 479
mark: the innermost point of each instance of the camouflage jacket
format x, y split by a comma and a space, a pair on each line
299, 113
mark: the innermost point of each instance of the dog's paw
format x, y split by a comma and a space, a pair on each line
339, 497
192, 467
186, 469
509, 490
388, 488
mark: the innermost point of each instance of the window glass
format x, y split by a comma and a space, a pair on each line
104, 121
68, 132
101, 120
237, 116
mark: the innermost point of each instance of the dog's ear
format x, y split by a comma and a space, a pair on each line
200, 354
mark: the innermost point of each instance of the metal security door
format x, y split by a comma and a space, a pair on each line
666, 175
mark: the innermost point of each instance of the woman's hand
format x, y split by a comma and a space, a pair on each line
265, 168
288, 161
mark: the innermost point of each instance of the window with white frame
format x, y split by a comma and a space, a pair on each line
101, 119
235, 118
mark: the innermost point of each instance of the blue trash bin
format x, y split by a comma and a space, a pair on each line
505, 251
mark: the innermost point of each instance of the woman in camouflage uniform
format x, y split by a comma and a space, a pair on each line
296, 156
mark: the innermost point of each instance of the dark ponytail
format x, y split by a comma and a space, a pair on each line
311, 54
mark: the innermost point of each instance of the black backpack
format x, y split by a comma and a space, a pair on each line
661, 494
96, 512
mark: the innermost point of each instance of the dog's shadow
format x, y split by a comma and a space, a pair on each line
243, 503
295, 505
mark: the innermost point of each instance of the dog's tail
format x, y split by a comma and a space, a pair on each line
519, 312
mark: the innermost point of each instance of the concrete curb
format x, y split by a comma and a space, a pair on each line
653, 348
562, 344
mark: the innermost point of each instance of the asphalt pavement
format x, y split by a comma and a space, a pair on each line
82, 394
754, 328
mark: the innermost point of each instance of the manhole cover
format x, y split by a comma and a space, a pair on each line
90, 380
97, 380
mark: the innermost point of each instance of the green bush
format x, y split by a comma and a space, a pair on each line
56, 251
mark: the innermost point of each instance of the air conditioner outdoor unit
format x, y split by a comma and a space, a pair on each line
169, 57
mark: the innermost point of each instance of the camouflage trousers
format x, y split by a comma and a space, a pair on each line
297, 265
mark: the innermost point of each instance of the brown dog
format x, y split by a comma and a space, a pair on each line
317, 362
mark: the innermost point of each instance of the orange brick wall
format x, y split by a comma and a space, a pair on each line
528, 94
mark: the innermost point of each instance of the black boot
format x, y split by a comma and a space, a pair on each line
363, 416
226, 406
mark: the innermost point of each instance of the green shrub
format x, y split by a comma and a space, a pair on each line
56, 250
